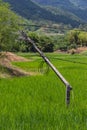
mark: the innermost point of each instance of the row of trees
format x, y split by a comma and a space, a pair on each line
72, 40
44, 42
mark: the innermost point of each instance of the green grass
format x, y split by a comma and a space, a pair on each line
38, 102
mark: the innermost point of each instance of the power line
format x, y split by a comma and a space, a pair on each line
31, 25
70, 61
34, 25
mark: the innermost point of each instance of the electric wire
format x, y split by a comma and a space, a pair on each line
70, 61
32, 25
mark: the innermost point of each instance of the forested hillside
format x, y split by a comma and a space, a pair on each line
80, 3
56, 3
31, 10
78, 7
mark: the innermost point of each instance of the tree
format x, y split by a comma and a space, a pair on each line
77, 38
45, 43
8, 27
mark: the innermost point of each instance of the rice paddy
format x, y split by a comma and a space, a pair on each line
38, 102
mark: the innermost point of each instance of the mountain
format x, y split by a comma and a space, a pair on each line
31, 10
64, 3
76, 7
54, 2
80, 3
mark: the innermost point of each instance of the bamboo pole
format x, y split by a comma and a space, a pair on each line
66, 83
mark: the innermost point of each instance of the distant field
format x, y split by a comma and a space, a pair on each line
38, 102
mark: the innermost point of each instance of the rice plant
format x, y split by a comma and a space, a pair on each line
38, 102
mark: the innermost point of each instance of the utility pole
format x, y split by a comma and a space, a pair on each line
66, 83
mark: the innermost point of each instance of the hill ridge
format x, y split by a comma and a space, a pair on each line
30, 10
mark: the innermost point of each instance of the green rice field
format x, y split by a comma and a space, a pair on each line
37, 102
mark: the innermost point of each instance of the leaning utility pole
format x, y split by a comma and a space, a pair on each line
67, 85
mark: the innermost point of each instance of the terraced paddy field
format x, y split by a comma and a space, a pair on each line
37, 102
